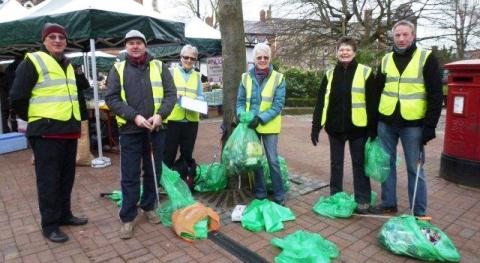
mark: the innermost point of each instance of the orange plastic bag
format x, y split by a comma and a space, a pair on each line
184, 220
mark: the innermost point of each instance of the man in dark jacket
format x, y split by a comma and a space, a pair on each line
8, 110
140, 91
44, 93
410, 92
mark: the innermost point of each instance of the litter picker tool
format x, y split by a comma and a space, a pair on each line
419, 167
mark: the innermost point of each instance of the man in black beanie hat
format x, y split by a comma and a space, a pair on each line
45, 93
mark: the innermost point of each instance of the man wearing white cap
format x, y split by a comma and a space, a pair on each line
141, 92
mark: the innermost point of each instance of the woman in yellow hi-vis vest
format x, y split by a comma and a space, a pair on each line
345, 107
262, 91
182, 124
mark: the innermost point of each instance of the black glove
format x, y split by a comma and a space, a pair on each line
314, 134
428, 134
254, 123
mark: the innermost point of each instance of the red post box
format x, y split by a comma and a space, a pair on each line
460, 161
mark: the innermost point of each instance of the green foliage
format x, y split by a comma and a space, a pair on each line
369, 57
302, 83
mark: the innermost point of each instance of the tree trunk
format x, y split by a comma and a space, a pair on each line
233, 52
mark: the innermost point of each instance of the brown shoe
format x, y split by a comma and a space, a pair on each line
152, 217
126, 231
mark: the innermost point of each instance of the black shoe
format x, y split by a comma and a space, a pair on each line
56, 236
74, 221
380, 210
362, 209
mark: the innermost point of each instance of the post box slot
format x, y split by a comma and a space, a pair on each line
462, 79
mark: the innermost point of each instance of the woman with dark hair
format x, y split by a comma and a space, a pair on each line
345, 107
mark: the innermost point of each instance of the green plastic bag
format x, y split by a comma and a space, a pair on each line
210, 178
243, 151
305, 247
283, 172
116, 196
377, 161
265, 215
200, 228
405, 235
178, 193
338, 205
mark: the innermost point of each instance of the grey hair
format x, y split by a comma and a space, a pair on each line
189, 47
262, 47
404, 23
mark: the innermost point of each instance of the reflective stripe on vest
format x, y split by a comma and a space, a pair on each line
409, 88
184, 88
55, 93
359, 110
155, 81
271, 84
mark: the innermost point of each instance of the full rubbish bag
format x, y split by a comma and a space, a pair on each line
283, 173
377, 161
178, 193
406, 235
195, 221
265, 215
303, 246
210, 177
243, 151
339, 205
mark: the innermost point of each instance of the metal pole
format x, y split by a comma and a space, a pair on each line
101, 161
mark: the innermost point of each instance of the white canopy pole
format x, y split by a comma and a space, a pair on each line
101, 161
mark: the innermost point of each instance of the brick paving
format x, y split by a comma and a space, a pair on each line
454, 208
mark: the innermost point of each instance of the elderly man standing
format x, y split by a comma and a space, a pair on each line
262, 91
141, 93
410, 91
44, 93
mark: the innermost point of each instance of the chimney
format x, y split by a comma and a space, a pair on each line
263, 16
269, 12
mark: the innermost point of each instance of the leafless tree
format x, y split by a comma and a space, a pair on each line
322, 22
461, 21
233, 53
210, 9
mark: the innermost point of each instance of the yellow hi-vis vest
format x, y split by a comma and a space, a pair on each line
55, 94
187, 89
155, 81
409, 87
359, 110
274, 125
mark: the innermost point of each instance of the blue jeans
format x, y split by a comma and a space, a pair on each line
270, 142
411, 139
134, 157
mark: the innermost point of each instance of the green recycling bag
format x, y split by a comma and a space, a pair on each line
406, 235
338, 205
377, 161
243, 151
116, 196
283, 173
201, 230
210, 178
265, 215
178, 193
305, 247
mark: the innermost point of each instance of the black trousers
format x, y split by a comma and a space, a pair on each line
361, 182
180, 135
55, 171
135, 157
